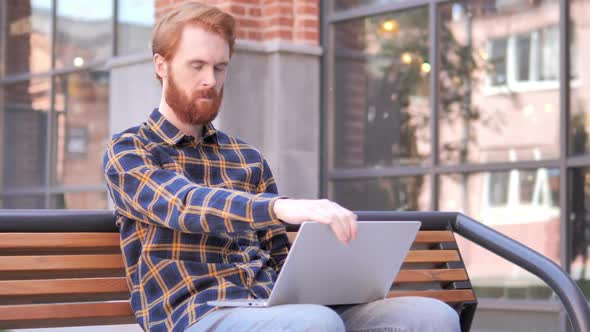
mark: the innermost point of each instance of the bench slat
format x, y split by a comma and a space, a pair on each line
430, 275
40, 315
60, 263
62, 286
448, 296
39, 241
432, 256
434, 237
114, 261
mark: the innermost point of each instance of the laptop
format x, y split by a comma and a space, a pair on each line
319, 269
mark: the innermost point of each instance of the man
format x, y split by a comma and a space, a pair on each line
198, 209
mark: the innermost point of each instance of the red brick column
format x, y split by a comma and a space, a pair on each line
18, 37
295, 21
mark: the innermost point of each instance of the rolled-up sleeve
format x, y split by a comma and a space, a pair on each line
142, 190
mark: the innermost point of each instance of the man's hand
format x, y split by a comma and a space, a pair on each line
296, 211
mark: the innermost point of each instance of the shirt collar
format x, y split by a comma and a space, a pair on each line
210, 133
172, 135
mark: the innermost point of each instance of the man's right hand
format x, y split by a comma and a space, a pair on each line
296, 211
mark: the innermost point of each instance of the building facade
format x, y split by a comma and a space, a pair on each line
474, 106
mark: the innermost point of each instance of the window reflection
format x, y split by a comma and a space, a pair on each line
408, 193
548, 51
579, 220
523, 57
498, 61
23, 133
527, 186
498, 184
27, 34
381, 91
79, 200
84, 32
522, 204
81, 127
579, 121
134, 28
349, 4
22, 202
499, 89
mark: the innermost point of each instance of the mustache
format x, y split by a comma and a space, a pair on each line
206, 93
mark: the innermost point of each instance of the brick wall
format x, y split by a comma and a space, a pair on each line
351, 87
295, 21
18, 37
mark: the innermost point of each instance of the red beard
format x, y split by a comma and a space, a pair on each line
192, 109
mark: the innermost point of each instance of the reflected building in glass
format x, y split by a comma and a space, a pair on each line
499, 104
475, 106
55, 95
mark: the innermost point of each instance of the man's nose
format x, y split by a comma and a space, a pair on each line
209, 78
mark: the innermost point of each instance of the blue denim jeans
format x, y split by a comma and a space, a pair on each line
404, 314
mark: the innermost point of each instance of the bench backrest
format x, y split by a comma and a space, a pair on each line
70, 279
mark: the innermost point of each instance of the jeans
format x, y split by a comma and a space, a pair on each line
404, 314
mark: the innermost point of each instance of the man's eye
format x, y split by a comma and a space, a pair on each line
219, 68
197, 67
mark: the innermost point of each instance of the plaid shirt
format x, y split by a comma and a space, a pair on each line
196, 221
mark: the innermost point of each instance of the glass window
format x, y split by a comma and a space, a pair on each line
523, 57
548, 52
498, 184
337, 5
530, 218
23, 133
553, 198
81, 127
84, 32
79, 200
29, 201
407, 193
381, 94
134, 26
499, 96
579, 121
26, 34
527, 179
498, 61
574, 61
579, 220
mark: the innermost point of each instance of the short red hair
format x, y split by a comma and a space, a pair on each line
168, 30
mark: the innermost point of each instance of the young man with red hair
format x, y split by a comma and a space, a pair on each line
198, 210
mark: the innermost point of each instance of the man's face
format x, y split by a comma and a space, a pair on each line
193, 87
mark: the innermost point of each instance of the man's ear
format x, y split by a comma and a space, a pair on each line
160, 65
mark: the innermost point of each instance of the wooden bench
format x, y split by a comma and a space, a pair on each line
64, 268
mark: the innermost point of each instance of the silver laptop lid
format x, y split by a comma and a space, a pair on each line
322, 270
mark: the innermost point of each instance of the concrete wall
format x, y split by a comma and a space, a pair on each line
512, 315
134, 92
271, 100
